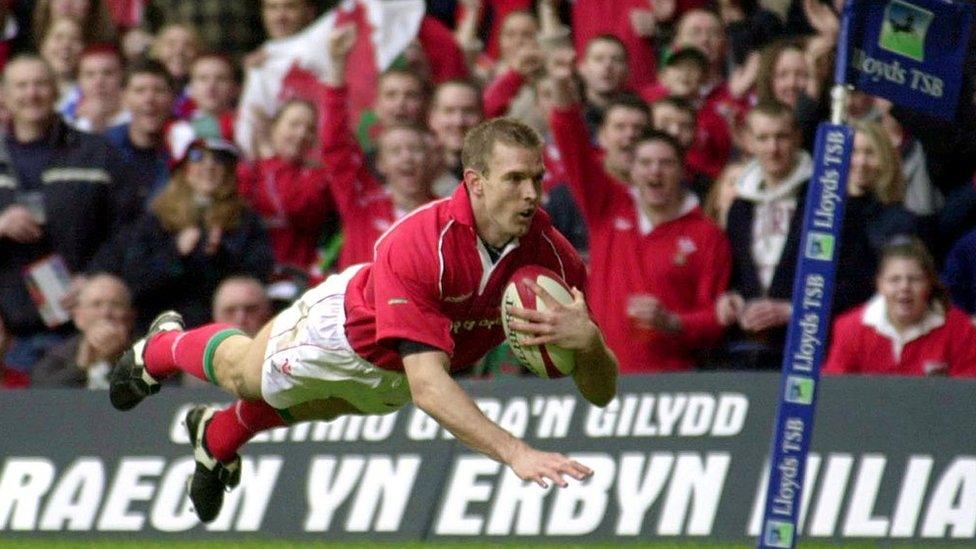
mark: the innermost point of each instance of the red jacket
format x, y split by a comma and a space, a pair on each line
864, 342
293, 201
366, 209
685, 262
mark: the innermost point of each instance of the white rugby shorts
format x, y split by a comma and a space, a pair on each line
309, 358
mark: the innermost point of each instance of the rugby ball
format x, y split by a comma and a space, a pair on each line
545, 361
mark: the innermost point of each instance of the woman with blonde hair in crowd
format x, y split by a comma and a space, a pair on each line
908, 327
197, 232
874, 212
61, 46
92, 16
722, 193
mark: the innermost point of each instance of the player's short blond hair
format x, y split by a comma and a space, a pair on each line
480, 141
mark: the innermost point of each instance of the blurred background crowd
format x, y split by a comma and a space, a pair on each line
678, 150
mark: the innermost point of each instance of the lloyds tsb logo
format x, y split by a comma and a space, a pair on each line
904, 28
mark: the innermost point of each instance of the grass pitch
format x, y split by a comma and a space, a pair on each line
271, 544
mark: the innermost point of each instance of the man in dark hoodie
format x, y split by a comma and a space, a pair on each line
764, 224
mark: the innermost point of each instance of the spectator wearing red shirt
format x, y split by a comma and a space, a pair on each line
702, 29
625, 119
657, 264
908, 328
682, 77
373, 338
290, 193
367, 207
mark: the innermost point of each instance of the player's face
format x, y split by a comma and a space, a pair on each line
906, 290
293, 132
511, 190
657, 175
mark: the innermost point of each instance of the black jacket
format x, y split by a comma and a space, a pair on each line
161, 279
88, 198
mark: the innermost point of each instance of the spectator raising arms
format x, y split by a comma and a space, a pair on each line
657, 264
366, 208
908, 328
289, 193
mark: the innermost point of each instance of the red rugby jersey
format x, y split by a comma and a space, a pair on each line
433, 282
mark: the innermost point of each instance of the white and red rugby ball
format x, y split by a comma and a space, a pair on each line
546, 361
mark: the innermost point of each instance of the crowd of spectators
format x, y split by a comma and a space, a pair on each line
678, 139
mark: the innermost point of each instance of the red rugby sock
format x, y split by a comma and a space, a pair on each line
231, 427
191, 351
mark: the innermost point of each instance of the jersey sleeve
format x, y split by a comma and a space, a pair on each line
584, 173
407, 295
346, 168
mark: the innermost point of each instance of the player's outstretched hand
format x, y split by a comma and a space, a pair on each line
568, 326
542, 467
